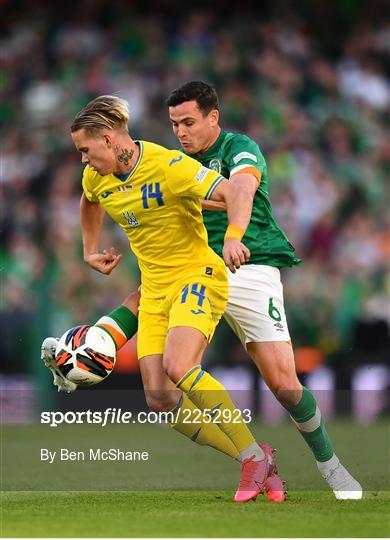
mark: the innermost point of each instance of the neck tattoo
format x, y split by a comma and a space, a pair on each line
125, 156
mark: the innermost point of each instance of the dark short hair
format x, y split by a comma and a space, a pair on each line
204, 94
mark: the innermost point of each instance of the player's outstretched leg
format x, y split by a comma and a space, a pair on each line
121, 324
275, 361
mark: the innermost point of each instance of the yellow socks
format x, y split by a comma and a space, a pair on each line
191, 422
208, 395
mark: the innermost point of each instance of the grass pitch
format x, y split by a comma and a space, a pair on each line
172, 497
190, 514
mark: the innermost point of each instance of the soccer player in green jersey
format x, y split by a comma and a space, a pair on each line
255, 309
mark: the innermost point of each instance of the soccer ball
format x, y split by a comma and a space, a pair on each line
85, 355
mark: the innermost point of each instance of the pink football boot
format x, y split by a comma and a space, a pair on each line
274, 487
253, 477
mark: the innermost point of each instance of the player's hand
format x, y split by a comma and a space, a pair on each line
103, 262
235, 253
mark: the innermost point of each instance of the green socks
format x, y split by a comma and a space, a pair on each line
307, 417
121, 324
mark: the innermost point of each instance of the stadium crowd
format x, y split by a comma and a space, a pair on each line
315, 101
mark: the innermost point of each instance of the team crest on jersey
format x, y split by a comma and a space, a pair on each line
130, 218
215, 165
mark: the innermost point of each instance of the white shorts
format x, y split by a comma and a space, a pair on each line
255, 309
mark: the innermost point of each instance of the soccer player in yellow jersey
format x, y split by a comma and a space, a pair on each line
154, 195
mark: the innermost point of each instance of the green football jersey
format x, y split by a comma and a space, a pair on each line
268, 244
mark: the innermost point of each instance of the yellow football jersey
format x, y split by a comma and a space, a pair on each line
158, 206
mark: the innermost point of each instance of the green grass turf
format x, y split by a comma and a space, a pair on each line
185, 489
191, 514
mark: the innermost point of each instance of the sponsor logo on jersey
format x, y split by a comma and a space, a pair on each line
198, 312
209, 271
201, 174
279, 327
106, 194
215, 165
244, 155
175, 160
130, 218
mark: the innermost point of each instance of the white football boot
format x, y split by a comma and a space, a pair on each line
48, 357
344, 485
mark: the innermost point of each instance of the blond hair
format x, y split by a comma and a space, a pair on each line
103, 112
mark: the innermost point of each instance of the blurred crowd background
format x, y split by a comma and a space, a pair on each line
306, 80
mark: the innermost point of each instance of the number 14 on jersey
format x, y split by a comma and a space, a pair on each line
150, 192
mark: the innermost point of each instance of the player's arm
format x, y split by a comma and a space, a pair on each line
240, 179
91, 219
237, 194
187, 178
212, 205
246, 165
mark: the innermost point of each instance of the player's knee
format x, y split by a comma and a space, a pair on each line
132, 302
287, 389
160, 400
173, 369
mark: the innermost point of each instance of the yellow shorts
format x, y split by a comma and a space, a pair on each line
197, 300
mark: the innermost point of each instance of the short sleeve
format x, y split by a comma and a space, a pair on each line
186, 177
87, 185
244, 153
